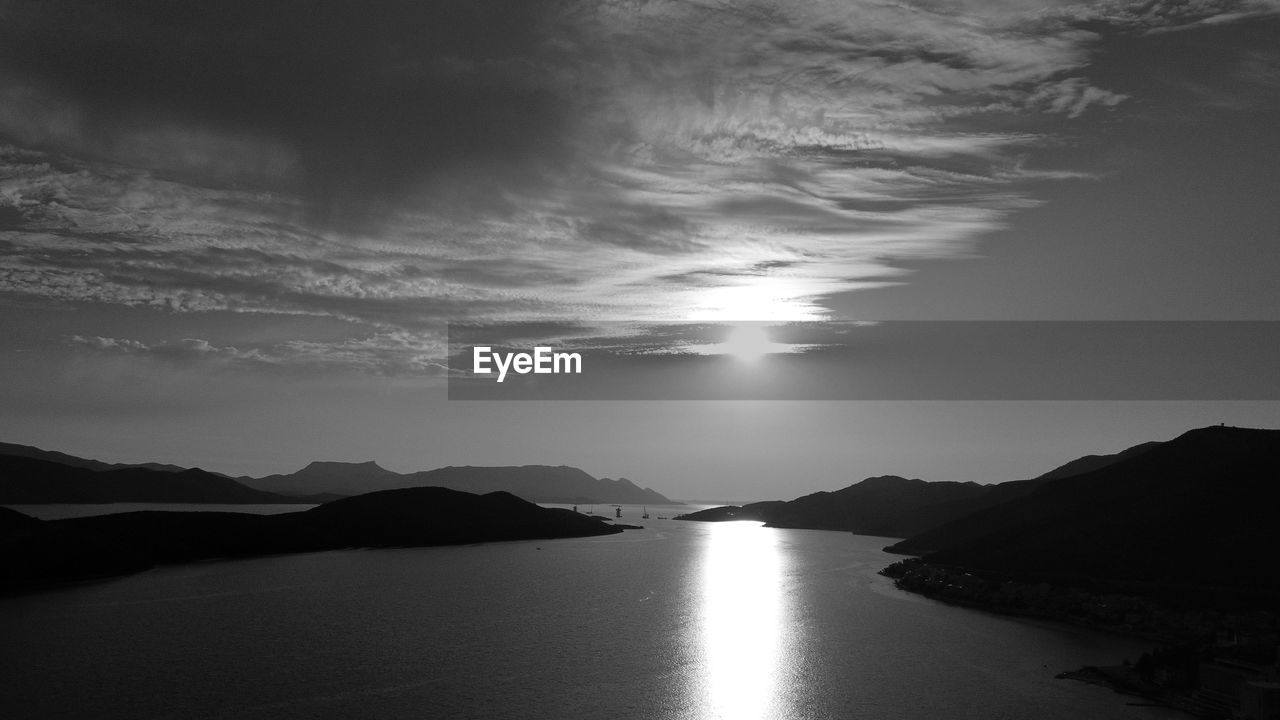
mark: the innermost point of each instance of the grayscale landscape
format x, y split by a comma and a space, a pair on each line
576, 359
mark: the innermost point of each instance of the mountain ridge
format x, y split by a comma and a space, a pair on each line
562, 484
32, 481
318, 481
31, 451
1195, 509
894, 506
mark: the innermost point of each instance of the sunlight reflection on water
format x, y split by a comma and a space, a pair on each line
742, 616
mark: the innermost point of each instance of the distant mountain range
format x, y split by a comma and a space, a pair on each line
29, 475
26, 451
35, 552
536, 483
27, 480
1194, 512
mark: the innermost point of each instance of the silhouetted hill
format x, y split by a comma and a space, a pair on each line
27, 480
339, 478
35, 552
536, 483
888, 505
440, 516
1000, 493
323, 481
541, 483
1197, 510
64, 459
751, 511
1089, 463
892, 506
14, 523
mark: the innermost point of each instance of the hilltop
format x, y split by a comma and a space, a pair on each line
36, 552
536, 483
30, 475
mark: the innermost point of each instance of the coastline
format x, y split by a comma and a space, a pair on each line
1185, 639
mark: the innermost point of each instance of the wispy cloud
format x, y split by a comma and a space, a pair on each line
512, 161
382, 353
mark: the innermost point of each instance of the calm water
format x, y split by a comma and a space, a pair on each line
679, 620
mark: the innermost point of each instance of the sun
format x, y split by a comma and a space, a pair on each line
748, 343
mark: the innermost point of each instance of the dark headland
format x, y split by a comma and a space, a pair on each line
1173, 541
36, 552
1190, 518
893, 506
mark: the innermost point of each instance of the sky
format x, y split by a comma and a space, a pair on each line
235, 235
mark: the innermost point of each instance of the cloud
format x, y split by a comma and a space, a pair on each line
331, 100
383, 353
183, 351
498, 161
1157, 16
1072, 97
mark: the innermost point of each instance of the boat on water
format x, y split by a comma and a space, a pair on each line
645, 516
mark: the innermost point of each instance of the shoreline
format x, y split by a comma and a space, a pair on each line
1199, 637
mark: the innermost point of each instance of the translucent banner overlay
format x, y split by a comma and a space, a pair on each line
892, 360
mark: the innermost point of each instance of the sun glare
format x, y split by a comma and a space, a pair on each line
748, 343
763, 299
742, 620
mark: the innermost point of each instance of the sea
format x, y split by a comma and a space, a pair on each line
678, 620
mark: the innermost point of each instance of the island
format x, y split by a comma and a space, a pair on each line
37, 553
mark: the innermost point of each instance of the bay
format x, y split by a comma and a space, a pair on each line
677, 620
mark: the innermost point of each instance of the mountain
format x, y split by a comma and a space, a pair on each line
27, 480
541, 483
36, 453
339, 478
758, 511
926, 540
997, 494
892, 506
887, 505
440, 516
535, 483
1089, 463
35, 552
57, 481
1196, 510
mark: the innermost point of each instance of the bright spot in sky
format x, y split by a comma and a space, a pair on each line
764, 299
747, 342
